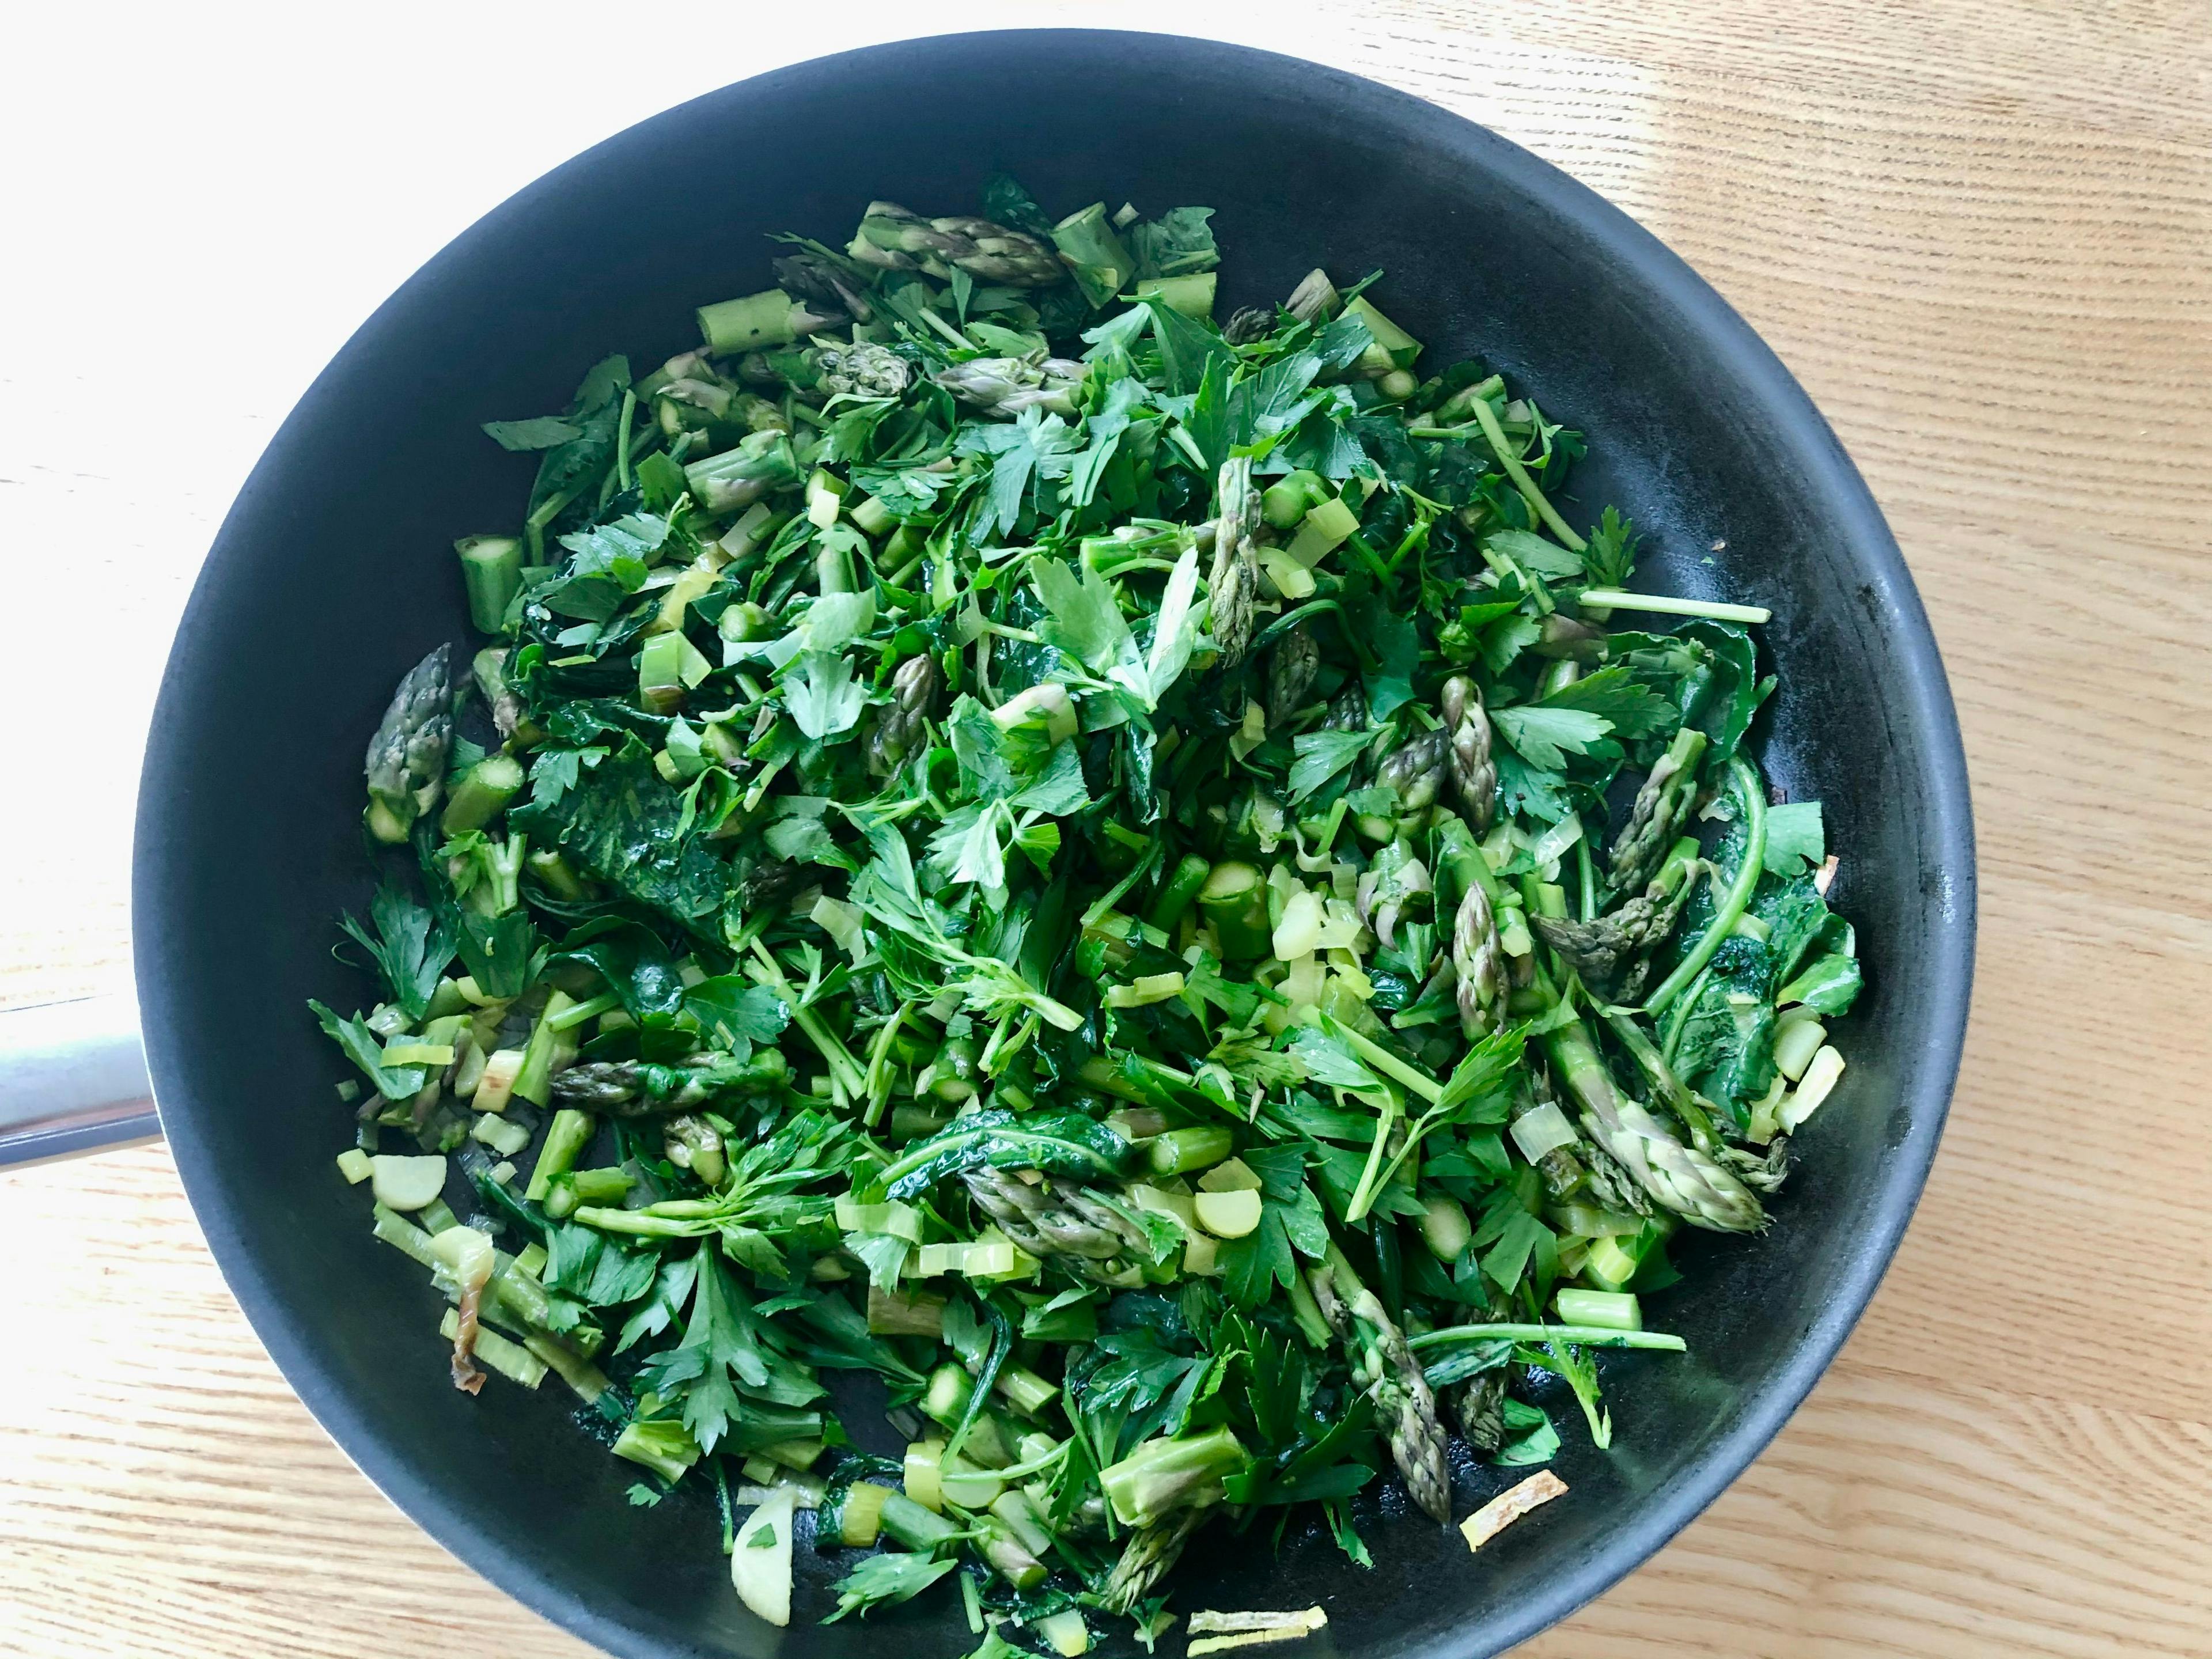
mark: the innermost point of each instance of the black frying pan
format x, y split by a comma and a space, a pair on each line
334, 573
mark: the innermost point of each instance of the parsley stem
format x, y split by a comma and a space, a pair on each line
845, 1073
1503, 564
1368, 558
1385, 1062
1113, 894
1453, 411
1418, 536
1142, 561
569, 1018
1290, 619
1587, 1336
1666, 604
946, 329
1738, 897
1000, 1052
1488, 420
878, 1075
1371, 1176
547, 510
622, 440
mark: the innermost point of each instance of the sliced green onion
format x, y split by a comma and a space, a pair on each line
1613, 1311
1542, 1131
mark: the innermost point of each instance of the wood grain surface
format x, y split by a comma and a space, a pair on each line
1979, 233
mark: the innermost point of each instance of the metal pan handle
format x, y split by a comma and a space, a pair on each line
72, 1080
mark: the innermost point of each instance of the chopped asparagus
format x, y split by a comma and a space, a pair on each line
1020, 834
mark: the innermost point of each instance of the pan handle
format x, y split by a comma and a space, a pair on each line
72, 1080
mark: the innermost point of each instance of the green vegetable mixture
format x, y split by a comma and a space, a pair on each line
1108, 871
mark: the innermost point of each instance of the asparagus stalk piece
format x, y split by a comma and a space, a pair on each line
1248, 325
759, 321
406, 760
893, 238
1090, 247
1598, 949
478, 799
566, 1137
1384, 1365
1183, 1151
1291, 674
1233, 587
1418, 769
1165, 1475
1147, 1558
1073, 1224
862, 371
1315, 299
901, 725
826, 281
1235, 903
637, 1088
1007, 386
491, 567
1176, 898
1479, 1406
1478, 949
1661, 805
1681, 1179
762, 461
1474, 775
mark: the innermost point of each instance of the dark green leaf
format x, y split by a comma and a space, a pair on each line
1727, 1045
594, 1269
410, 947
1529, 1436
1545, 736
736, 1012
1059, 1143
1178, 243
539, 432
1631, 707
1321, 756
880, 1581
1006, 202
359, 1044
1723, 691
623, 829
1187, 346
496, 950
1396, 641
636, 966
1828, 985
1795, 842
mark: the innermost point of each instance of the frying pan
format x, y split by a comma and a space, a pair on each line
332, 573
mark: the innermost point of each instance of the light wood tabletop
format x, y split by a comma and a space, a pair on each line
1979, 233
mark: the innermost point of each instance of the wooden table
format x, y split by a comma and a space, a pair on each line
1979, 233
